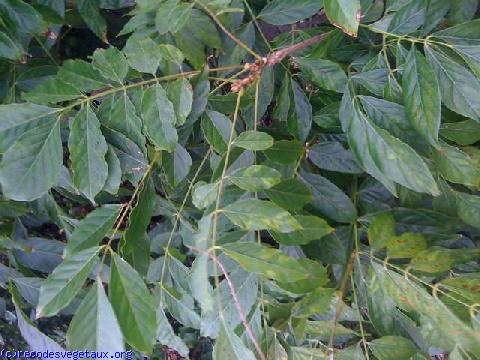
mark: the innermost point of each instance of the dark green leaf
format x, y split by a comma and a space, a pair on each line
324, 73
290, 194
281, 12
333, 156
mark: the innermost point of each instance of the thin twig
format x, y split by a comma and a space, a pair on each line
236, 301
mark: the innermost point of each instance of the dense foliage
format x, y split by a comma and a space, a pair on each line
241, 179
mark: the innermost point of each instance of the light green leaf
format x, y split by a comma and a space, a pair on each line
255, 178
216, 129
438, 260
282, 12
290, 194
253, 214
405, 245
457, 84
166, 336
133, 304
180, 94
381, 230
87, 152
31, 166
393, 348
469, 208
324, 73
229, 346
143, 54
313, 228
285, 152
253, 140
171, 53
344, 14
95, 325
266, 261
92, 229
111, 63
159, 118
204, 194
65, 281
456, 166
421, 94
329, 199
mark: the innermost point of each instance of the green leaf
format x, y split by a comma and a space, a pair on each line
111, 63
87, 152
266, 261
255, 178
469, 208
19, 118
332, 156
421, 94
120, 115
460, 12
324, 73
393, 348
229, 346
253, 140
9, 49
52, 90
143, 54
81, 75
21, 16
204, 194
438, 260
408, 18
456, 166
31, 166
92, 229
465, 132
457, 84
405, 245
159, 118
171, 53
253, 214
114, 178
166, 336
317, 302
172, 16
383, 156
133, 304
180, 93
282, 12
139, 218
90, 13
299, 121
344, 14
285, 152
329, 199
65, 281
313, 228
177, 164
462, 34
290, 194
95, 325
216, 129
381, 230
